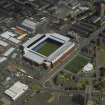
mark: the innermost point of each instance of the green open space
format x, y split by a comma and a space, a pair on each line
65, 80
76, 64
36, 87
100, 56
1, 103
48, 48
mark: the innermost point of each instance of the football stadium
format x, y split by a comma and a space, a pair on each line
47, 49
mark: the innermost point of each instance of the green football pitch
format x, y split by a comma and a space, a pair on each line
76, 64
48, 48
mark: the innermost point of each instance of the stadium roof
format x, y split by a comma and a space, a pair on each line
39, 58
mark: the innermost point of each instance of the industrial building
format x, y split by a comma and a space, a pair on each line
47, 49
17, 90
27, 26
10, 36
86, 26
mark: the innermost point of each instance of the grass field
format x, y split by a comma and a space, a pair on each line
76, 64
100, 56
64, 79
36, 87
1, 103
48, 48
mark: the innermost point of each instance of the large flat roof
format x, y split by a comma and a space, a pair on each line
16, 90
47, 47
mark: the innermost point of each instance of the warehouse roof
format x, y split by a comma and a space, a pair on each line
16, 90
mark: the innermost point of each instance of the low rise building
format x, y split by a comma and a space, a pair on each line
27, 26
16, 91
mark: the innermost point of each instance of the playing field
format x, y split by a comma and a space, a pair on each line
100, 56
76, 64
48, 47
1, 103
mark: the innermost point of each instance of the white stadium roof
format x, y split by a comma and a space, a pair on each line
38, 57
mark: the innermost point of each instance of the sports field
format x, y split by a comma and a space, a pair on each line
76, 64
48, 47
1, 103
100, 56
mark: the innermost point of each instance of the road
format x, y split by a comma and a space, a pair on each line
57, 69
